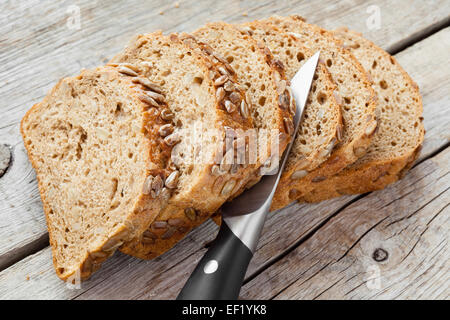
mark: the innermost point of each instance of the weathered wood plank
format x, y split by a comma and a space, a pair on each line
162, 278
38, 46
346, 259
36, 220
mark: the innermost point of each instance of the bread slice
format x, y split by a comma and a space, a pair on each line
400, 133
358, 109
89, 144
263, 77
321, 126
204, 96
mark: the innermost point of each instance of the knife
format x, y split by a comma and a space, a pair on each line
220, 273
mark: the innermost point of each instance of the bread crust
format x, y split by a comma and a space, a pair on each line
366, 176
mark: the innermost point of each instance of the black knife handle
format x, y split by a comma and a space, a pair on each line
220, 273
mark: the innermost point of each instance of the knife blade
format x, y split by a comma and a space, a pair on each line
220, 273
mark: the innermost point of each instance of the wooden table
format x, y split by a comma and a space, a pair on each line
388, 244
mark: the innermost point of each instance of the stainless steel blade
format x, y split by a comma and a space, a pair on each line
260, 195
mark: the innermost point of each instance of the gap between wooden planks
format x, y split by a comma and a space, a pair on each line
40, 48
125, 277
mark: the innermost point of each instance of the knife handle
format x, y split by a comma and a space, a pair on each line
220, 273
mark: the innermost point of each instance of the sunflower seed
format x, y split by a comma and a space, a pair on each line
159, 225
167, 115
282, 138
299, 174
289, 126
234, 168
86, 268
235, 98
220, 80
223, 71
359, 152
227, 161
165, 130
244, 109
98, 256
339, 133
147, 187
228, 187
220, 58
169, 233
148, 237
231, 107
149, 85
127, 71
283, 100
153, 111
278, 64
176, 222
157, 185
229, 86
371, 127
229, 68
220, 94
148, 100
182, 229
172, 179
215, 170
146, 240
165, 194
156, 96
212, 74
319, 179
292, 105
111, 244
190, 213
172, 139
281, 86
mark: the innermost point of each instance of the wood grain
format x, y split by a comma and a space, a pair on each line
409, 221
38, 48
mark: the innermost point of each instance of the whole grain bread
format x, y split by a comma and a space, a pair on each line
89, 144
263, 77
321, 127
203, 89
358, 109
265, 108
400, 132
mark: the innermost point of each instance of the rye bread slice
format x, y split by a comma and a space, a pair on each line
200, 90
358, 109
400, 132
89, 144
321, 126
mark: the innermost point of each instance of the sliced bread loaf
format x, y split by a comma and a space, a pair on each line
358, 109
321, 126
204, 97
96, 166
400, 132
